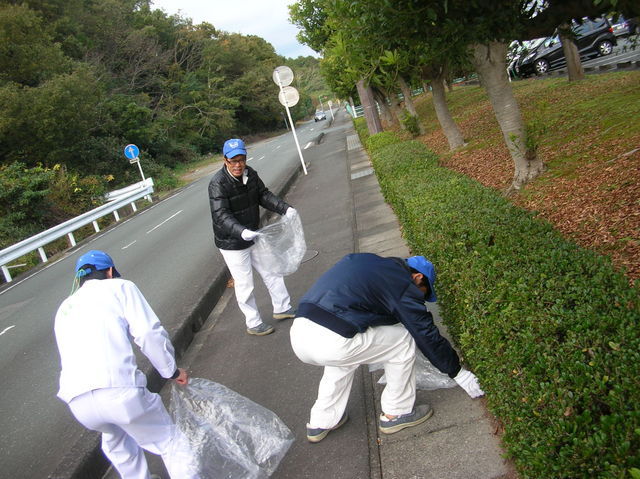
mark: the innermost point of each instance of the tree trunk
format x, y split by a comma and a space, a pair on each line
490, 63
570, 50
369, 105
394, 104
408, 101
449, 127
385, 112
406, 92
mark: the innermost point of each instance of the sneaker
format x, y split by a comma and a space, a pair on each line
288, 314
316, 434
261, 330
419, 415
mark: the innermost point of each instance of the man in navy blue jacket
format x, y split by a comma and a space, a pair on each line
369, 309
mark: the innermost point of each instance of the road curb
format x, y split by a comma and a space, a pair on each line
85, 459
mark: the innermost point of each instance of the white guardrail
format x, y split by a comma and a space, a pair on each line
116, 199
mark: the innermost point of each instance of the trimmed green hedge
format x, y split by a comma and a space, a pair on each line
550, 328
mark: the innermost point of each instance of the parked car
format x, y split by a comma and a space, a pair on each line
593, 38
320, 115
517, 50
620, 28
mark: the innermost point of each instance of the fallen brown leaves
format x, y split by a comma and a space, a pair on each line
593, 199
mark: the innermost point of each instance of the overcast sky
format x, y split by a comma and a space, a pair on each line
268, 19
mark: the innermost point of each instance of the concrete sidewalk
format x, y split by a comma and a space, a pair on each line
342, 211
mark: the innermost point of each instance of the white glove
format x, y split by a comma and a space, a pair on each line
291, 213
469, 382
248, 235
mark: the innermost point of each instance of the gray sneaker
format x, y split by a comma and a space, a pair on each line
261, 330
288, 314
317, 434
419, 415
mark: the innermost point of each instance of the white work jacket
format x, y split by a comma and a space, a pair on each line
92, 330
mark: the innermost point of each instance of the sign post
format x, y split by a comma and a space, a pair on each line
132, 152
288, 97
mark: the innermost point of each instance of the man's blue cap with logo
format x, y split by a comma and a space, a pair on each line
98, 260
233, 147
424, 266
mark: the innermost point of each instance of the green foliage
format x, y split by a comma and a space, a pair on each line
23, 195
380, 140
27, 54
411, 123
550, 328
80, 80
360, 124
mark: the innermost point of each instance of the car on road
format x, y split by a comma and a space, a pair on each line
593, 38
320, 115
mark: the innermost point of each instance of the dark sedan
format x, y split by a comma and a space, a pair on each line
593, 38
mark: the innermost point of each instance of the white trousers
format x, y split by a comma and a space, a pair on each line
392, 346
241, 264
130, 419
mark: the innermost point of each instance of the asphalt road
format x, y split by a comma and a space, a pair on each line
167, 249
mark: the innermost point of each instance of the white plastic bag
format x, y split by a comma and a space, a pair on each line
428, 377
281, 246
221, 434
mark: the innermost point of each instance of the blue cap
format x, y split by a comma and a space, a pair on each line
233, 147
99, 260
422, 264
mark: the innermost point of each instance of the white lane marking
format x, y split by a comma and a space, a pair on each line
278, 146
125, 247
249, 159
261, 158
158, 226
7, 329
95, 238
308, 145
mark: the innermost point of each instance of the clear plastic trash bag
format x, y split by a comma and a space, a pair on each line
281, 246
221, 434
428, 377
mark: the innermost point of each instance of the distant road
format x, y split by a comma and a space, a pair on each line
167, 250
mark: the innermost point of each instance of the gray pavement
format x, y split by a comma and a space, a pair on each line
342, 211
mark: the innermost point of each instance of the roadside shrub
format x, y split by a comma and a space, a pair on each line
23, 193
360, 124
411, 124
550, 328
380, 140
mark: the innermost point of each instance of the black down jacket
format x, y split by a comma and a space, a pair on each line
235, 206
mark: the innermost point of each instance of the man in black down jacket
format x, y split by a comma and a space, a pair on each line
236, 193
367, 309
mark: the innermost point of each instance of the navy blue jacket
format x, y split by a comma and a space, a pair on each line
364, 290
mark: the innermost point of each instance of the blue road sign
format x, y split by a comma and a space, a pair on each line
131, 151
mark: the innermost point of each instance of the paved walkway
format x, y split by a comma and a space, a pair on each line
343, 211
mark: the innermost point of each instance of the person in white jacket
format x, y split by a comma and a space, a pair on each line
100, 380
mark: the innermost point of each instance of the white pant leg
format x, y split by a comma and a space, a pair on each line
391, 345
280, 299
130, 419
239, 264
